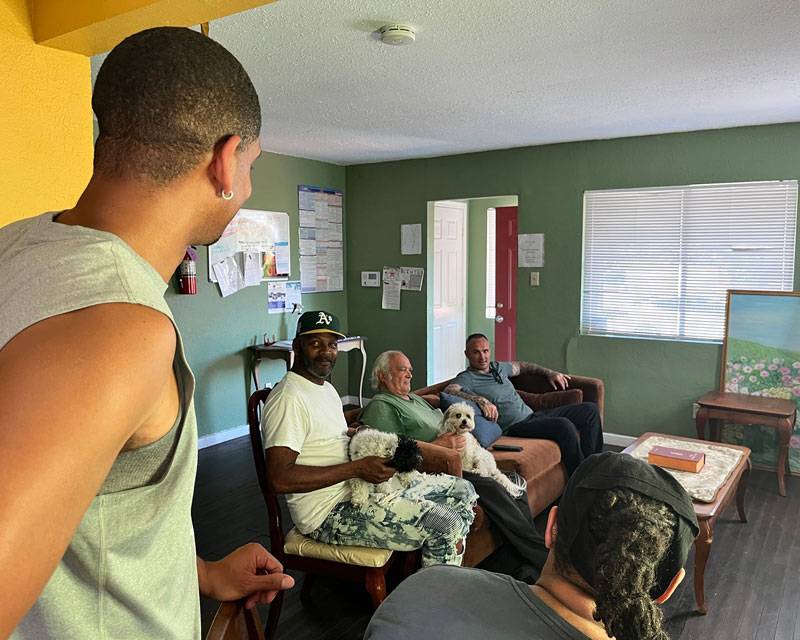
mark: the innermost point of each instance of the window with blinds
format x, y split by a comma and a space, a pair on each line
657, 262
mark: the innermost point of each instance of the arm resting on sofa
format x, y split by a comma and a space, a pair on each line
593, 388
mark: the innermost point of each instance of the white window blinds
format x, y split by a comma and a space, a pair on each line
657, 262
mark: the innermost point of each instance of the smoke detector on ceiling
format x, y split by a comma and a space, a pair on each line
397, 33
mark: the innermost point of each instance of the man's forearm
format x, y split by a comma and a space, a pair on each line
456, 390
529, 368
298, 478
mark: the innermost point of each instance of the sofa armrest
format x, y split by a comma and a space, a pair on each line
593, 388
436, 459
540, 401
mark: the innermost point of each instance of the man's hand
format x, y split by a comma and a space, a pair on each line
451, 441
487, 409
558, 380
249, 572
374, 469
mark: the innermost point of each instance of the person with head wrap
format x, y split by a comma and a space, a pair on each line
618, 543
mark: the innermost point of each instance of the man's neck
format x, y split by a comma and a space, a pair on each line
153, 221
569, 601
305, 373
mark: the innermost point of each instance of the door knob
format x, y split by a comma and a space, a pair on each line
498, 319
499, 305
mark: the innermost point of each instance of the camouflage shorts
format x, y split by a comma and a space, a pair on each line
433, 514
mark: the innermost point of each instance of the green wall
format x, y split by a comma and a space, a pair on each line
649, 383
476, 263
217, 331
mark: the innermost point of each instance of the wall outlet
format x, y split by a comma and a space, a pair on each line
534, 278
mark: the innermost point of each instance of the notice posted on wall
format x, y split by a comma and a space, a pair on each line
391, 288
321, 239
283, 296
411, 278
530, 250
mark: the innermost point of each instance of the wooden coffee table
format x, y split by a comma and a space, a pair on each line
707, 512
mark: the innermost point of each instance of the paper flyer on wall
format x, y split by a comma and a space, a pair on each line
276, 297
252, 268
229, 276
294, 301
411, 278
321, 237
530, 250
410, 239
391, 288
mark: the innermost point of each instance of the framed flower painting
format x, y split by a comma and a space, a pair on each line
761, 357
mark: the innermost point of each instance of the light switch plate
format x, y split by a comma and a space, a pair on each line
534, 278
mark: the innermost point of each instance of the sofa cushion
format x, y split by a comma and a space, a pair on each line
299, 545
486, 431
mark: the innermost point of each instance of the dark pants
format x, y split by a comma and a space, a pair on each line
522, 553
575, 428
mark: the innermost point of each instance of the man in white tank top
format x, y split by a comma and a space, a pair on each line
97, 426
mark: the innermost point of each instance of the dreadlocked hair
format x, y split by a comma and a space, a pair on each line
631, 533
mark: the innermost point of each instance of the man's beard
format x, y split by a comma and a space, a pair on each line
309, 365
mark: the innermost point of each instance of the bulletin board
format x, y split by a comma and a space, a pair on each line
255, 232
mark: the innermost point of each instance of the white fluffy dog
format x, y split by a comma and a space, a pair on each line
404, 456
460, 419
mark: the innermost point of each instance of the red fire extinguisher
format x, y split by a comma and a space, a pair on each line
187, 273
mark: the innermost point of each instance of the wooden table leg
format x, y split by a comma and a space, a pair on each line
702, 546
700, 422
784, 435
741, 490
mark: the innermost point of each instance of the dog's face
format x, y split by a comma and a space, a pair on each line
371, 442
459, 418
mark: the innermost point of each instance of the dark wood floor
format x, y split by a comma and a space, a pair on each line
752, 578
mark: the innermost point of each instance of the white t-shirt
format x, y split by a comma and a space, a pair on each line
308, 418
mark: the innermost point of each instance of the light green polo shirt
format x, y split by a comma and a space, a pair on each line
414, 417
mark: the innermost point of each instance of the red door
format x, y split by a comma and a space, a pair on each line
505, 327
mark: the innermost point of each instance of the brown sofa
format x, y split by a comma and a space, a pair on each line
539, 462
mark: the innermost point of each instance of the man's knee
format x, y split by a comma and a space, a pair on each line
443, 522
568, 432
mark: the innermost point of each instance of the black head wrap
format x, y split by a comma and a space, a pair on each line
604, 471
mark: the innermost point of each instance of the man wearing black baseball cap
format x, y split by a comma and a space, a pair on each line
618, 543
307, 457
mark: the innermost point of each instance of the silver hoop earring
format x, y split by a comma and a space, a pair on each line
226, 196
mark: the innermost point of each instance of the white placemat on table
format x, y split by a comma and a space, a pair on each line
701, 486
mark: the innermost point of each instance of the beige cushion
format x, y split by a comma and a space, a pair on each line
299, 545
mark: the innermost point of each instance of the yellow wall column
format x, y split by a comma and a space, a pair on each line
45, 120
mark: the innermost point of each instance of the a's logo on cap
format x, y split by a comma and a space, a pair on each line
324, 319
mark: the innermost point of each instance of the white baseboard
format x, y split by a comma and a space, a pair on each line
222, 436
242, 430
617, 439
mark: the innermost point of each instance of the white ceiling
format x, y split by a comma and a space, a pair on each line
493, 74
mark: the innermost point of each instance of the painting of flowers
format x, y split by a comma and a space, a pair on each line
762, 358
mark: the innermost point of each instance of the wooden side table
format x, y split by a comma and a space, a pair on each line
708, 512
776, 413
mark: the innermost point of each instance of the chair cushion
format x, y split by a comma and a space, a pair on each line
485, 430
299, 545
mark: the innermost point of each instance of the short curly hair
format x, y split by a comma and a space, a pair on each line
164, 97
630, 534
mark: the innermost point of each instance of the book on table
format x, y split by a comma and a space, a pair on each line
678, 459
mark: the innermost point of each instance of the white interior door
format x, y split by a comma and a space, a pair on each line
449, 288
